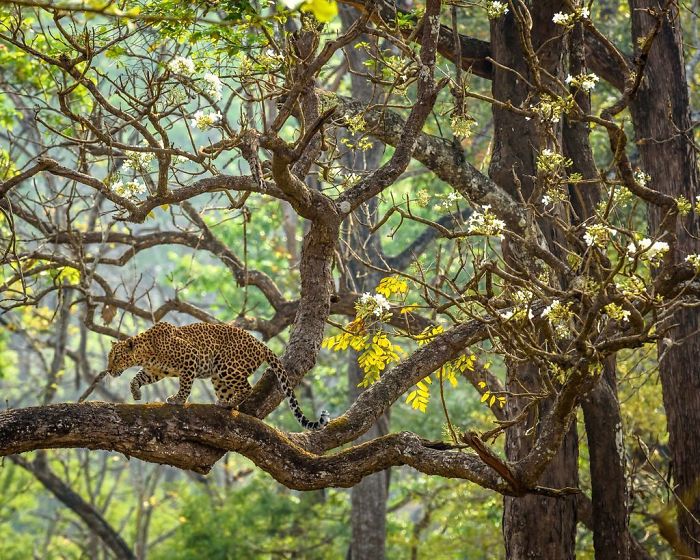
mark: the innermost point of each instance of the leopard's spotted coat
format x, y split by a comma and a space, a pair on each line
225, 353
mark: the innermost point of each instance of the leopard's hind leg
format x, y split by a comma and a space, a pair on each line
233, 391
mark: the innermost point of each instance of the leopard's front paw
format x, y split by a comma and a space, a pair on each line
174, 399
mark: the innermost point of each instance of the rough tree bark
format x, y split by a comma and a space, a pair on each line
663, 127
533, 526
601, 407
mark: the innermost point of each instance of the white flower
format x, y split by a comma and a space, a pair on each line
138, 161
507, 314
454, 196
641, 178
181, 65
694, 260
598, 234
585, 13
214, 86
649, 251
382, 302
563, 19
584, 81
377, 302
486, 223
547, 200
589, 81
204, 120
128, 190
496, 9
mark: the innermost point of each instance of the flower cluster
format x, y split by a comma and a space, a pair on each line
694, 260
485, 223
138, 161
356, 123
449, 201
567, 20
214, 87
204, 120
598, 235
549, 161
462, 127
559, 316
653, 252
377, 303
423, 198
616, 312
550, 109
181, 65
496, 9
641, 178
683, 205
128, 190
584, 81
554, 195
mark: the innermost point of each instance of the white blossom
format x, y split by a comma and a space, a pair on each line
694, 260
496, 9
377, 302
485, 223
641, 178
649, 251
204, 120
214, 86
181, 65
138, 161
563, 19
598, 234
128, 190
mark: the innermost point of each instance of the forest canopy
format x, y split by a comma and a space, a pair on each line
467, 229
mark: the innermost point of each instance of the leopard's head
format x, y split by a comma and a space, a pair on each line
121, 357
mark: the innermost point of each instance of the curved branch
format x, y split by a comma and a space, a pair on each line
194, 437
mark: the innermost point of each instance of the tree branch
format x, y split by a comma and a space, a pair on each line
194, 437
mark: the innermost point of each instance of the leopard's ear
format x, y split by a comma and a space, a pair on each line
114, 342
129, 343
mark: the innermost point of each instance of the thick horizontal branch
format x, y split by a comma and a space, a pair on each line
194, 437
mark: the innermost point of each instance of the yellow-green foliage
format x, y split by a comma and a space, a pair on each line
367, 336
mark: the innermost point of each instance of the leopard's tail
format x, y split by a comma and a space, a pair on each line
283, 380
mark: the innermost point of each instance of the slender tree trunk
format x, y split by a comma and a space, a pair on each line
601, 408
533, 526
601, 413
661, 113
92, 518
368, 498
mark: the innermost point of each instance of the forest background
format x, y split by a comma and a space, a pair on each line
469, 229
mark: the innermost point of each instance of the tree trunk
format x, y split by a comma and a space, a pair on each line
369, 497
601, 412
661, 113
533, 526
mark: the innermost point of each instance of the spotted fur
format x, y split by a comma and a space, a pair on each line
226, 354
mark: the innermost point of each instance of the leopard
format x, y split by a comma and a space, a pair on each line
226, 354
